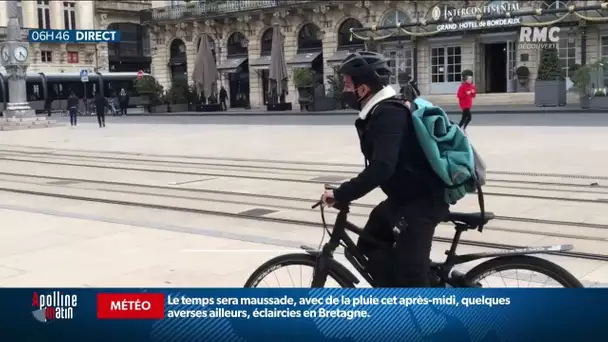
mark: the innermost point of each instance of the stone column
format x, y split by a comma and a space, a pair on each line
290, 51
255, 84
57, 21
424, 63
222, 55
103, 62
190, 56
330, 47
30, 15
160, 60
85, 10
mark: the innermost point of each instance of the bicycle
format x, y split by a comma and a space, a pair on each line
443, 274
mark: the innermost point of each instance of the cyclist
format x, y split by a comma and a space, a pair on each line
394, 161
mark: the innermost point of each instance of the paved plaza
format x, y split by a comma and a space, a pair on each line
547, 183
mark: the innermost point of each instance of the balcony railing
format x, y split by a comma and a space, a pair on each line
216, 8
123, 6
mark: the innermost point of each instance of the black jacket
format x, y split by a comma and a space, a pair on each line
100, 104
73, 101
396, 161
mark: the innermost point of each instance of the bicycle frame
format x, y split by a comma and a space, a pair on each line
444, 271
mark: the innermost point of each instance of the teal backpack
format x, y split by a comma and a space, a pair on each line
448, 151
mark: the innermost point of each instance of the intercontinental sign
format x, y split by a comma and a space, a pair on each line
446, 13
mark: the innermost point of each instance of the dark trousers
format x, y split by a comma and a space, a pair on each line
73, 116
402, 260
101, 118
465, 119
223, 104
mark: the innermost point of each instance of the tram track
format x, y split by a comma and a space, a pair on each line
356, 168
273, 197
138, 189
53, 151
276, 178
244, 215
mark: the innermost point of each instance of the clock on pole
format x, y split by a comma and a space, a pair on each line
14, 52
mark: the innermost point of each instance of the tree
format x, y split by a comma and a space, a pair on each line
548, 68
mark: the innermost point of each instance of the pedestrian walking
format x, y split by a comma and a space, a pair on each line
123, 100
223, 96
101, 103
73, 102
466, 94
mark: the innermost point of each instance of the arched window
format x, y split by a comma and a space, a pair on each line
178, 49
266, 43
237, 44
344, 34
310, 38
394, 17
179, 66
211, 45
391, 19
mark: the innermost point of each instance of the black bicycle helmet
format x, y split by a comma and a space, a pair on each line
366, 68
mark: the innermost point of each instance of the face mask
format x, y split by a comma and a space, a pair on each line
351, 99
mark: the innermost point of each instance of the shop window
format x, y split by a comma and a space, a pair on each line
604, 55
400, 61
72, 57
446, 64
567, 55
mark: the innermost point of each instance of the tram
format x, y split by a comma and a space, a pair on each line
56, 87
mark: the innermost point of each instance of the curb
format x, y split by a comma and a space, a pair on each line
211, 114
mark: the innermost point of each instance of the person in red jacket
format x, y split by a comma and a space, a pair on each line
466, 93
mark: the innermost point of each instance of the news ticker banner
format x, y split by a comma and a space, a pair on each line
252, 315
73, 36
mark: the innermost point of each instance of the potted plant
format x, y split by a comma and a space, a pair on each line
192, 98
154, 91
550, 87
591, 96
158, 103
334, 91
179, 96
523, 77
302, 80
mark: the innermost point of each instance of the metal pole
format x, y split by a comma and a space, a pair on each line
602, 6
15, 61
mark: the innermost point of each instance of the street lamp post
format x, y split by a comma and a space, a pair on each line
14, 55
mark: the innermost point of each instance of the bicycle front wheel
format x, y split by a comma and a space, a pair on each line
519, 271
292, 270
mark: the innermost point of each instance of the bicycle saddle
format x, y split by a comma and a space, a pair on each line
470, 219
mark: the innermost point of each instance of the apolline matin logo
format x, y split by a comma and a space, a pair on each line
53, 306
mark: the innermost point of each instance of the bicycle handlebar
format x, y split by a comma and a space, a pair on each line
327, 187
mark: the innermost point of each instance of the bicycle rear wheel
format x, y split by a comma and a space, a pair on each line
521, 265
304, 266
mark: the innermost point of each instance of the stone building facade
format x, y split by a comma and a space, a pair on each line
82, 15
317, 36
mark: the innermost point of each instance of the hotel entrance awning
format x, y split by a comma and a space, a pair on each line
338, 57
231, 64
303, 60
260, 63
